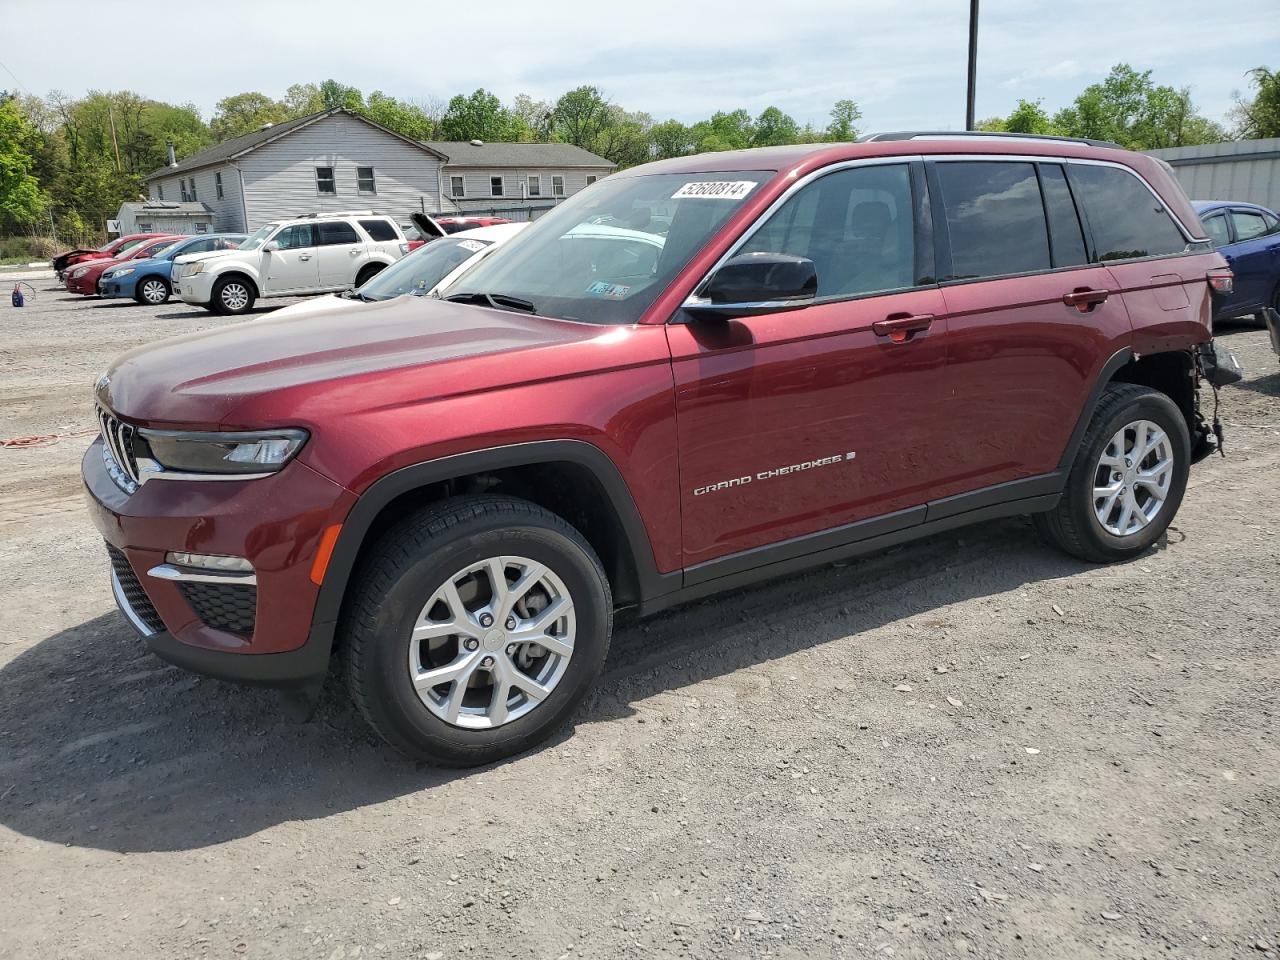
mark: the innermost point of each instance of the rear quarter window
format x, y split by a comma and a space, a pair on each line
1127, 220
379, 229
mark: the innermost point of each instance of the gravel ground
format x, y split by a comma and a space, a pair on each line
967, 746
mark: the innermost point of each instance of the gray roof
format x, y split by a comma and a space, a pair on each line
230, 149
464, 154
168, 208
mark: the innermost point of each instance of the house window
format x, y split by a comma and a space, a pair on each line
144, 228
217, 184
590, 179
324, 180
364, 180
194, 198
202, 228
458, 186
535, 186
182, 185
495, 186
159, 191
557, 186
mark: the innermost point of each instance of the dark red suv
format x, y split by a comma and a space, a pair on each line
786, 357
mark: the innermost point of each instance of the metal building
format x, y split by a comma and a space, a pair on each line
1246, 170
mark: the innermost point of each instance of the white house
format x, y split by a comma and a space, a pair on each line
164, 216
339, 160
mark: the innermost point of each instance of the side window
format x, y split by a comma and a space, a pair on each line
365, 182
217, 184
295, 237
379, 229
457, 186
1216, 227
1126, 218
557, 186
856, 226
200, 246
336, 232
1065, 237
1273, 225
495, 186
1249, 224
324, 180
995, 218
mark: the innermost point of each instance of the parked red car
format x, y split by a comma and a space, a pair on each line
829, 349
457, 224
83, 277
115, 248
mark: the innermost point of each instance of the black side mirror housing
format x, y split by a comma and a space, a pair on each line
754, 283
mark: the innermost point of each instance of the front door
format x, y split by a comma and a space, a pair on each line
293, 265
800, 421
1254, 259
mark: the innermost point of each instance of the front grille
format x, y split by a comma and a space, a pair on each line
136, 597
232, 607
117, 450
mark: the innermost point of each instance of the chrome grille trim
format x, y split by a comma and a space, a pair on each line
117, 450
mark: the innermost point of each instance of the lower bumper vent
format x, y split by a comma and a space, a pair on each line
134, 595
229, 607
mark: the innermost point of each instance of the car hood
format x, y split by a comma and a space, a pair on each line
206, 255
409, 349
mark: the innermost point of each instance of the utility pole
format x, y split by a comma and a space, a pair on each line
969, 119
110, 117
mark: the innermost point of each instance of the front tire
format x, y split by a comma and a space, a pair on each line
475, 629
367, 273
152, 291
1127, 479
233, 296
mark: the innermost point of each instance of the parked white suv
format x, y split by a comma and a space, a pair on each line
316, 253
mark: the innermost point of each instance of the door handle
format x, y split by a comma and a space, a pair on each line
901, 327
1085, 299
353, 252
304, 256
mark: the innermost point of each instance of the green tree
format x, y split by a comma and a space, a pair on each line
581, 117
22, 202
724, 131
533, 118
406, 119
671, 138
1128, 109
243, 113
774, 128
480, 116
1029, 117
303, 99
335, 96
844, 118
1259, 117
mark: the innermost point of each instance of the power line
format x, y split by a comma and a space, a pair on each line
16, 80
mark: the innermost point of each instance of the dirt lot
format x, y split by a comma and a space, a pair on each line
968, 746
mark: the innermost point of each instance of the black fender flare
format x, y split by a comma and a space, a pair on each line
649, 582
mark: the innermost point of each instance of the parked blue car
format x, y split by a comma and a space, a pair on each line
147, 281
1249, 237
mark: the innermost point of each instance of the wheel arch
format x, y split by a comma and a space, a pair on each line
1172, 373
573, 478
241, 273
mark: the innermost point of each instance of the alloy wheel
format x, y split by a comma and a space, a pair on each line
1132, 478
235, 296
492, 643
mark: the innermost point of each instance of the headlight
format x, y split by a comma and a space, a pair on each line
191, 269
120, 273
216, 454
79, 272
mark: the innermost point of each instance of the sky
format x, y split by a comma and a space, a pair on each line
903, 62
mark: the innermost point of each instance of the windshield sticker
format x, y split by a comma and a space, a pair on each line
715, 190
473, 245
609, 291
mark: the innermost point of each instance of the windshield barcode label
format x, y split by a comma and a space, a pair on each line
715, 190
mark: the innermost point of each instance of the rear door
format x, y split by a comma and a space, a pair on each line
341, 253
1254, 258
292, 266
799, 421
1031, 321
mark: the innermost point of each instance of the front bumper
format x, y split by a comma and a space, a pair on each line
86, 285
197, 289
276, 523
123, 287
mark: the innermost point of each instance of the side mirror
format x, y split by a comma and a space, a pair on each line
755, 283
271, 246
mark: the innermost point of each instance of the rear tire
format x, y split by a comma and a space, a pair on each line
424, 607
1119, 499
152, 291
233, 296
368, 272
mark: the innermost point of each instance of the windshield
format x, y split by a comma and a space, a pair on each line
260, 237
423, 269
127, 245
605, 255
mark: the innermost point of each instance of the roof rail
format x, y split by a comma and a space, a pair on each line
335, 213
982, 135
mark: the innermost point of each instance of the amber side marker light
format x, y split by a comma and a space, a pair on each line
328, 540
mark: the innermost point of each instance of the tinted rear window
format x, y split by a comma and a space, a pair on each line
337, 231
379, 229
1127, 220
995, 218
